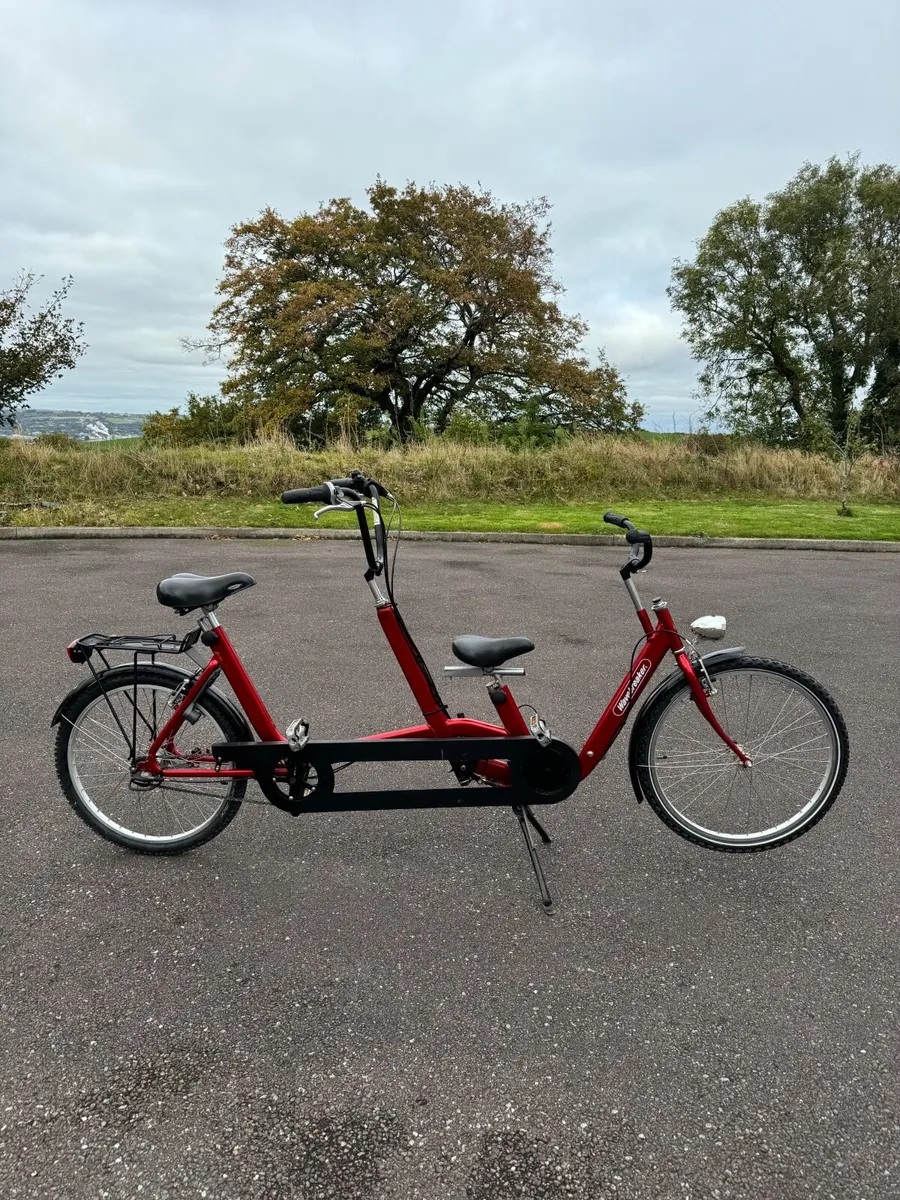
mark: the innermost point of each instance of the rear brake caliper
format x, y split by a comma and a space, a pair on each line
193, 714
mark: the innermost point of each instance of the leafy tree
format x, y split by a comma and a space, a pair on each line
35, 347
208, 419
434, 299
793, 306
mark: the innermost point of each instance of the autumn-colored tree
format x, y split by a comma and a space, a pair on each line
35, 347
432, 300
792, 306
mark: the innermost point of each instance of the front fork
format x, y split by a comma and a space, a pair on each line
698, 691
699, 694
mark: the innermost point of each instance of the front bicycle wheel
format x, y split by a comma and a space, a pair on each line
109, 726
787, 724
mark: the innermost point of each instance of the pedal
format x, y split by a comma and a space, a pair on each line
540, 730
297, 734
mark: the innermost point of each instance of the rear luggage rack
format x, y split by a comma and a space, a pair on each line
141, 643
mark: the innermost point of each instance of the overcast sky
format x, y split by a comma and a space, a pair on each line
133, 133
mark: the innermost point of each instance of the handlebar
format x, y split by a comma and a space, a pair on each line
635, 538
354, 488
359, 493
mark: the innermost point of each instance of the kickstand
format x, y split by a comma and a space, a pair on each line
524, 816
535, 824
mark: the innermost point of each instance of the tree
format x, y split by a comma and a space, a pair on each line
435, 299
34, 348
793, 305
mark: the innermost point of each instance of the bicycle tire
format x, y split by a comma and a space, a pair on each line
717, 764
76, 710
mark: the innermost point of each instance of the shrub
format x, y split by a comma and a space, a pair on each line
58, 441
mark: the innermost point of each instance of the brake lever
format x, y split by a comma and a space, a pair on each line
344, 506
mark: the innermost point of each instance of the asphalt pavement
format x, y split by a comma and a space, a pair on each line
373, 1005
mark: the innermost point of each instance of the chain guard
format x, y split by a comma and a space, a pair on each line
295, 792
550, 773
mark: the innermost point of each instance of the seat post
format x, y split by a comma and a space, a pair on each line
209, 620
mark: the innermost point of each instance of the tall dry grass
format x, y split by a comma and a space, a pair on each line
598, 469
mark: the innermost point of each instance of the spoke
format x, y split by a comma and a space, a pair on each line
699, 795
798, 766
798, 745
795, 727
775, 721
687, 773
690, 756
682, 735
730, 795
105, 750
715, 800
773, 779
751, 724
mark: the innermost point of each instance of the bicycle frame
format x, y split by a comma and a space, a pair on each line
660, 638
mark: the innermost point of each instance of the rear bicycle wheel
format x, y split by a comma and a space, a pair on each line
787, 724
94, 757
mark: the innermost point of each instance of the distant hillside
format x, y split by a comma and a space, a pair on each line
83, 426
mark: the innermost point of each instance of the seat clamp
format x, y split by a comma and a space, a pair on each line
481, 672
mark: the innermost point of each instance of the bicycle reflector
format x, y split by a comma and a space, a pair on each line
709, 627
76, 652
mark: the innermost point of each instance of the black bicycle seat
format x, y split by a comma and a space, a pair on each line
489, 652
185, 591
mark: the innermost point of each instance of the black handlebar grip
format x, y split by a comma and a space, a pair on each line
358, 482
313, 495
612, 518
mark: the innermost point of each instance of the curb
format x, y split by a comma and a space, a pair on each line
41, 532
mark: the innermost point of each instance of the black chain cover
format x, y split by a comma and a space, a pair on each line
550, 773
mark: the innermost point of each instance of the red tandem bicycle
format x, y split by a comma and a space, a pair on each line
733, 752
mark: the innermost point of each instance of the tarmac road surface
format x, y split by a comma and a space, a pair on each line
373, 1005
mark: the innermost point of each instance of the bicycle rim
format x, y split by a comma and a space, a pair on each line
788, 734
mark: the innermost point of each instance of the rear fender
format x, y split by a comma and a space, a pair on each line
179, 674
671, 683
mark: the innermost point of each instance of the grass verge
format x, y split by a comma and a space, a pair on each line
716, 518
580, 471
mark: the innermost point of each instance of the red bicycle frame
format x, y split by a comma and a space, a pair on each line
660, 638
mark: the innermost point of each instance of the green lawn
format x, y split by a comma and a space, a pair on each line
113, 445
720, 518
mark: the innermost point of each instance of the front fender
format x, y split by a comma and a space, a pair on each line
116, 674
716, 658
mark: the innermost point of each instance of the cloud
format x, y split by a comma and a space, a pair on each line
640, 337
133, 135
